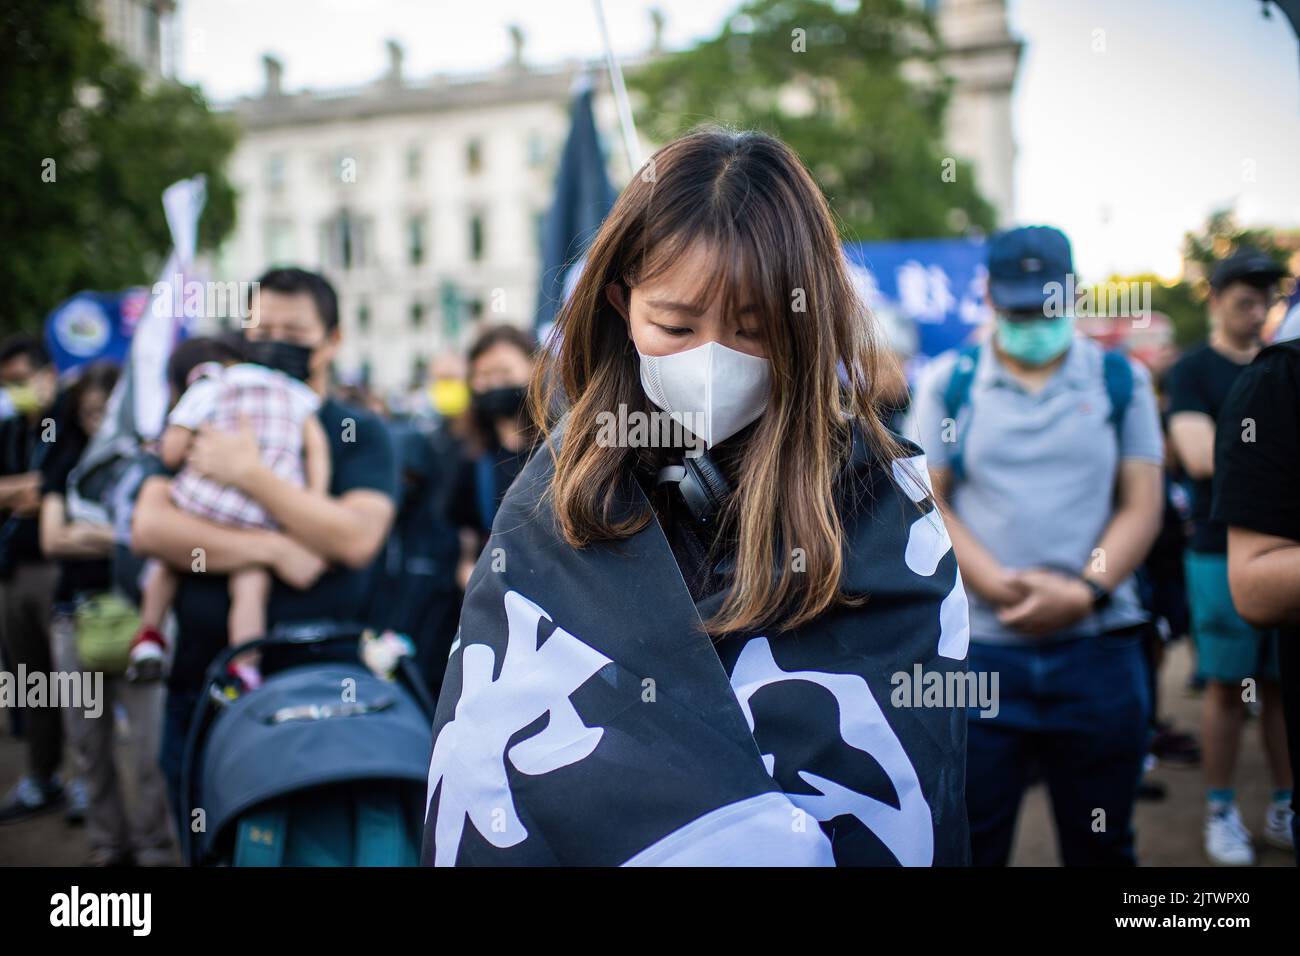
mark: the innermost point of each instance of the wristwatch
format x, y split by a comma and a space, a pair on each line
1100, 596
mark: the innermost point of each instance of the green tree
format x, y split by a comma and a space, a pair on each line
89, 145
1184, 301
1220, 237
1175, 299
829, 79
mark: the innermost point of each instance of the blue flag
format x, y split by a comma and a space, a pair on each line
583, 196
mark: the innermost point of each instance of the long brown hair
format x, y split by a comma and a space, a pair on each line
748, 197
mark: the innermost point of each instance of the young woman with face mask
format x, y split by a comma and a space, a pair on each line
701, 629
500, 364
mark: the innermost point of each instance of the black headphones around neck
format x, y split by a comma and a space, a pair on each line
702, 486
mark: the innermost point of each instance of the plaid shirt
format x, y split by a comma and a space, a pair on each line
275, 406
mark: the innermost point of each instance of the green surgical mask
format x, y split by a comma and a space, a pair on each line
1035, 341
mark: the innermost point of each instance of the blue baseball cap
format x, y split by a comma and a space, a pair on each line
1023, 263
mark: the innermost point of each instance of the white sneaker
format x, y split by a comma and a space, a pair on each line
1277, 826
1227, 841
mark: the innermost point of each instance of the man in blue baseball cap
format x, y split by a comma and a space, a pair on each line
1047, 453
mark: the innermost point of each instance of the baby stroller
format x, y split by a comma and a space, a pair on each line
324, 764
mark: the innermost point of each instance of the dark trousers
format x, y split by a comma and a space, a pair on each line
1076, 713
26, 604
178, 713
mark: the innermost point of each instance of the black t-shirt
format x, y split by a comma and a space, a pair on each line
1257, 484
77, 576
463, 508
361, 456
1200, 382
20, 452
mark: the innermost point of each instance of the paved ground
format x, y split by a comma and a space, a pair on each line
1169, 832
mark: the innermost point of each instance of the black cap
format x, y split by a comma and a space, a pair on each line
1246, 265
1023, 262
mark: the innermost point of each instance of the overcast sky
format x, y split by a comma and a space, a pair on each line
1191, 105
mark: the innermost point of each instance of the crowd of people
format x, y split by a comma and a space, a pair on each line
265, 500
1098, 509
1079, 488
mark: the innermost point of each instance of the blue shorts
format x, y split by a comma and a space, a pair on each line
1228, 649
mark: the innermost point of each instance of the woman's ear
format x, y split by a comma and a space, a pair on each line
617, 295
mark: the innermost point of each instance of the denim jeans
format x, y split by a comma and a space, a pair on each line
1075, 712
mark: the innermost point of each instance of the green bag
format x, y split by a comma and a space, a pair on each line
106, 625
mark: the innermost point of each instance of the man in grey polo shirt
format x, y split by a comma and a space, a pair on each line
1048, 455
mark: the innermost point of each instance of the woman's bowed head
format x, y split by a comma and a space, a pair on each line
716, 290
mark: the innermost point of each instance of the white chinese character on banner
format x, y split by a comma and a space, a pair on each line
924, 292
906, 830
469, 754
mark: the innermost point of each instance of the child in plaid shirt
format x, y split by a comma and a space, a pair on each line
223, 392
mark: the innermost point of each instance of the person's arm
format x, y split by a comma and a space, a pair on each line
348, 529
1257, 488
1133, 528
161, 530
1056, 599
471, 546
316, 456
17, 491
981, 572
1264, 576
75, 540
1053, 600
174, 446
1192, 436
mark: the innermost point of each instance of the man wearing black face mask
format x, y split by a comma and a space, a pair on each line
500, 363
324, 544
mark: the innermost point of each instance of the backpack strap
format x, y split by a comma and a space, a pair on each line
1119, 386
956, 397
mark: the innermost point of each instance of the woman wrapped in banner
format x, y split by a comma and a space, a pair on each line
718, 620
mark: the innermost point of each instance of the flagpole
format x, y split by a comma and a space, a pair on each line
630, 142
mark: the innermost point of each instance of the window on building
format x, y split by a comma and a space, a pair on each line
278, 243
275, 173
477, 236
474, 156
414, 162
152, 33
417, 314
419, 371
539, 230
363, 316
365, 372
416, 230
536, 150
344, 241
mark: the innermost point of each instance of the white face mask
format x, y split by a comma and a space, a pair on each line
711, 390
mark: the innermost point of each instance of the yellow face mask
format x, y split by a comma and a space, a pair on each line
24, 398
450, 397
